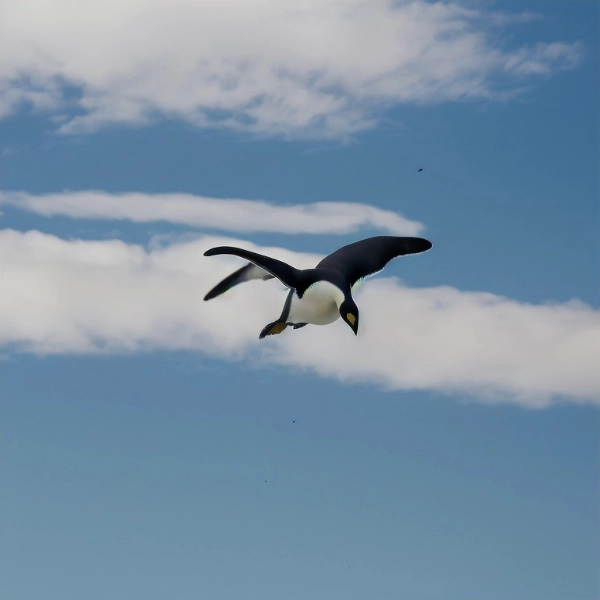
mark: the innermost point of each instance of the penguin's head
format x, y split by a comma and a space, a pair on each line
349, 313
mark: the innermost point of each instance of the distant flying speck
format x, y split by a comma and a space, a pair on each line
419, 170
323, 294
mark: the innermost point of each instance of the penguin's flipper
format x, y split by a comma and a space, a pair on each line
272, 329
247, 273
370, 256
287, 274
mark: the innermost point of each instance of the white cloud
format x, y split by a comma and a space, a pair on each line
542, 59
321, 68
215, 213
76, 296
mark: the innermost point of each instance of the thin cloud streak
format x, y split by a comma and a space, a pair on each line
324, 69
215, 213
64, 297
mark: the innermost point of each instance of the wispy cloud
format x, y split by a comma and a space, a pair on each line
294, 69
215, 213
76, 296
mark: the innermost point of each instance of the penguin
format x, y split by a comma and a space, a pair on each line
321, 295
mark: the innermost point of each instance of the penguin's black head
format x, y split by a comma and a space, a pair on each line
349, 313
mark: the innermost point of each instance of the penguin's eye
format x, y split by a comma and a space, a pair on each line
351, 318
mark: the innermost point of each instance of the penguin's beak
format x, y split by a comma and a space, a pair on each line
352, 320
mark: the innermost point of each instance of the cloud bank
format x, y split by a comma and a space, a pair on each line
215, 213
77, 296
317, 69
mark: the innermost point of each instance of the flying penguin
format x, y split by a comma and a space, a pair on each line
321, 295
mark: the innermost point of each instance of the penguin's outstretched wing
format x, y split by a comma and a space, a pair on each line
287, 274
247, 273
370, 256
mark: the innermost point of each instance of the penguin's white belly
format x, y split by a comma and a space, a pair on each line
318, 306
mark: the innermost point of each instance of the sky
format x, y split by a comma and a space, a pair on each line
151, 446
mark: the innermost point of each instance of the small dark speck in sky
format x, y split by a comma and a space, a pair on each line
419, 170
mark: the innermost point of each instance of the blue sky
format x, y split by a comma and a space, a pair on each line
153, 447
